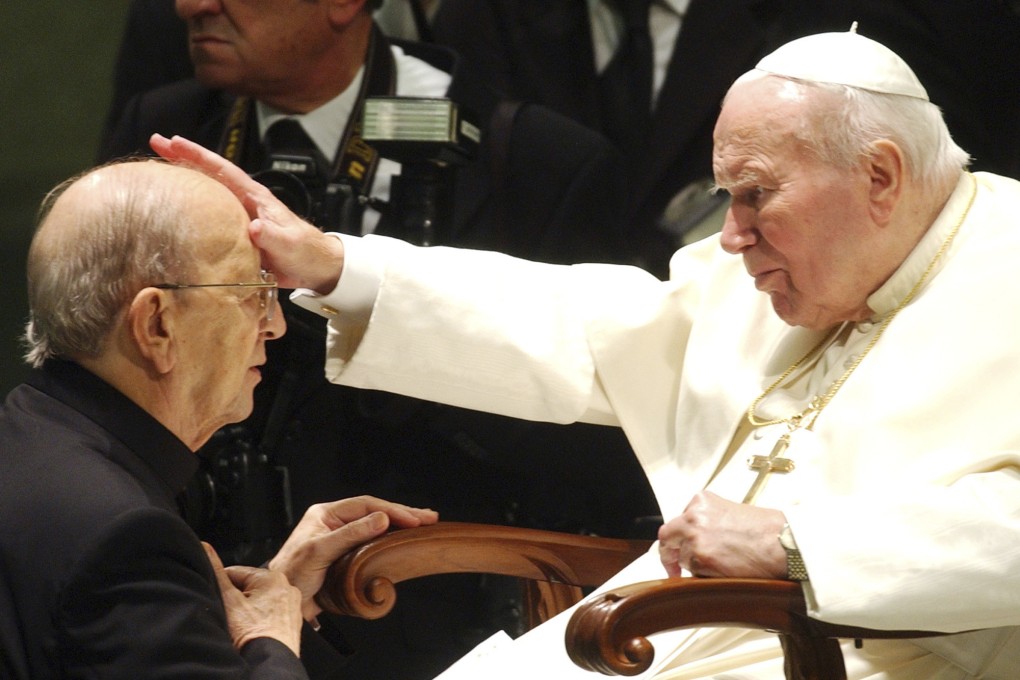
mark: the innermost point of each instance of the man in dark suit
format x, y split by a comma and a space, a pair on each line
541, 186
565, 198
559, 52
544, 51
149, 320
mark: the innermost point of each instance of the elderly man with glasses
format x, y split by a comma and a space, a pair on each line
149, 319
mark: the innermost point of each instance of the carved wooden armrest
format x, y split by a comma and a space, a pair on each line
361, 583
609, 632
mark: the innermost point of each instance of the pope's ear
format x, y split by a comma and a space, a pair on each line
886, 167
151, 321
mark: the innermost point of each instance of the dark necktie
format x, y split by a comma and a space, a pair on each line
290, 149
626, 83
293, 168
287, 134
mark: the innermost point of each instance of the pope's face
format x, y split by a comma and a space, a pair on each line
801, 225
258, 48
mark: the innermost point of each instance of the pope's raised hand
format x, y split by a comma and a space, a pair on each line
298, 253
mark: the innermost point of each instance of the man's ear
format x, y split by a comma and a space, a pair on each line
343, 12
886, 168
152, 324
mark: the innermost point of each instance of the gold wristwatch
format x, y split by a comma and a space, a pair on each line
795, 569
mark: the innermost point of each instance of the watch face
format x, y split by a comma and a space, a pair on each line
786, 538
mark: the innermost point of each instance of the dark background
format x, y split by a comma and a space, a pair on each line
55, 62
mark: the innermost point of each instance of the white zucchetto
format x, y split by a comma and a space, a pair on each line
844, 59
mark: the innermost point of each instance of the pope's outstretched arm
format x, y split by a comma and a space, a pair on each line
300, 255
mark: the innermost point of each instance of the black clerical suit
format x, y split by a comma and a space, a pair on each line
542, 187
99, 574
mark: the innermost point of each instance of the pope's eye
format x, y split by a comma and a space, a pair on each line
751, 195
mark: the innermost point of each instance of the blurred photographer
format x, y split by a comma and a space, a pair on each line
538, 185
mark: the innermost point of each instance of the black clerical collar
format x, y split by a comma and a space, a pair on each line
171, 460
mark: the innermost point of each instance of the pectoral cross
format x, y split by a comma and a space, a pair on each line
766, 465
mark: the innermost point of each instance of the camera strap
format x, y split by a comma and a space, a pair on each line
355, 161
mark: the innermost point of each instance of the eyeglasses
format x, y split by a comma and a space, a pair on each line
268, 290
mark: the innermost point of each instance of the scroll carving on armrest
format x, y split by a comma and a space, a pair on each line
608, 633
362, 582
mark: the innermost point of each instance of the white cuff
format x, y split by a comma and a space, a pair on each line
357, 288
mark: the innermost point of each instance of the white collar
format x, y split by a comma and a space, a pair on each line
678, 6
891, 293
325, 125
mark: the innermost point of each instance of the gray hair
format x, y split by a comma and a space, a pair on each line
843, 122
84, 265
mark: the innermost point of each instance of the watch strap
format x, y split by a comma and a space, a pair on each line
795, 568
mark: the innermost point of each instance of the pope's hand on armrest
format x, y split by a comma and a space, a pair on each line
298, 253
720, 538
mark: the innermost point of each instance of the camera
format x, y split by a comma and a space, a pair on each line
298, 178
430, 138
334, 206
420, 129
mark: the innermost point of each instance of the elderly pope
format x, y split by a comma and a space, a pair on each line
855, 398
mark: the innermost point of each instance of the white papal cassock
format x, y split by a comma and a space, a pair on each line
905, 500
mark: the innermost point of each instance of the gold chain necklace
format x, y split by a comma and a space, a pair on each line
774, 462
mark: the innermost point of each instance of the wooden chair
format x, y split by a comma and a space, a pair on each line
608, 633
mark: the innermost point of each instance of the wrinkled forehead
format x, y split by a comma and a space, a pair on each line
761, 116
757, 100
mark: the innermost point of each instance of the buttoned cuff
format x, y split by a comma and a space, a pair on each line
355, 291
